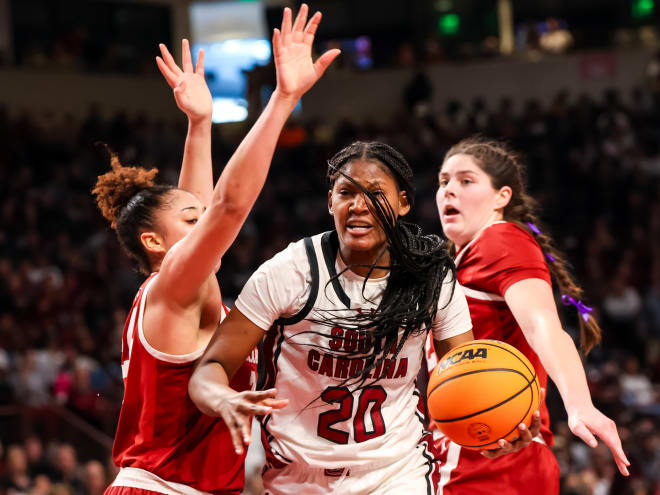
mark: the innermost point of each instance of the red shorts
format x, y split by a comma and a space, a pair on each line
533, 469
128, 490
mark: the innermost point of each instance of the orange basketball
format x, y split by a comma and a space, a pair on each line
481, 391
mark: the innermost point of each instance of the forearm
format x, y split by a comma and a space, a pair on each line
208, 384
246, 171
561, 360
197, 169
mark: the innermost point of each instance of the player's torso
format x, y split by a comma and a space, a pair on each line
326, 425
492, 318
160, 429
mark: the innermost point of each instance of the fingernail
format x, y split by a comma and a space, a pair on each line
522, 426
537, 413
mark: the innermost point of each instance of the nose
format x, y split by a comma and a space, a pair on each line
359, 203
449, 189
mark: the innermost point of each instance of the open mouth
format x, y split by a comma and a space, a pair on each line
449, 211
358, 227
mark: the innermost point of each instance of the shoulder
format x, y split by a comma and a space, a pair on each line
505, 234
504, 254
279, 287
505, 240
293, 257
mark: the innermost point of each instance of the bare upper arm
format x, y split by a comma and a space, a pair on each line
444, 346
233, 342
533, 305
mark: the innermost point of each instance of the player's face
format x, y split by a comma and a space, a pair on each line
466, 199
361, 238
174, 221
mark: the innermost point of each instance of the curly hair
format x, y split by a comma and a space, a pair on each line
128, 198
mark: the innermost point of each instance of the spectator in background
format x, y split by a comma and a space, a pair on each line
636, 389
94, 478
67, 471
16, 478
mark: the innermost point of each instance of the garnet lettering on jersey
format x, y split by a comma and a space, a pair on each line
340, 367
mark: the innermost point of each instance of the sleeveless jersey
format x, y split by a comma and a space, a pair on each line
501, 255
326, 424
160, 429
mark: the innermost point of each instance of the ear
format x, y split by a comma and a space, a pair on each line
404, 204
503, 197
153, 243
330, 202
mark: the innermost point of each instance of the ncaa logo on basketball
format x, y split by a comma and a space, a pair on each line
479, 431
459, 356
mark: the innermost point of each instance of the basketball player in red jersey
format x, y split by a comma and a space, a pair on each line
501, 263
163, 443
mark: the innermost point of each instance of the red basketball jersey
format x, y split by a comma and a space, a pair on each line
500, 256
160, 429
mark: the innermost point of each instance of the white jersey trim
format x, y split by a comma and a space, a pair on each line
139, 478
483, 296
459, 256
129, 342
162, 356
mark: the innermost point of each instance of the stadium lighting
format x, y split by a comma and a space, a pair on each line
642, 8
449, 24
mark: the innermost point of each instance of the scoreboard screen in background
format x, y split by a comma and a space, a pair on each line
235, 39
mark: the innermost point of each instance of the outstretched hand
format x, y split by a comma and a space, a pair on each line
237, 409
292, 52
524, 439
191, 93
590, 421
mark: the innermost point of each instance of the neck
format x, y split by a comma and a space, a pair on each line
364, 260
496, 216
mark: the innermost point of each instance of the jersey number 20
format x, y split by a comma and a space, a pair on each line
374, 395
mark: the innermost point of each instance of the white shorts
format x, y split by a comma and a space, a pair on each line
412, 473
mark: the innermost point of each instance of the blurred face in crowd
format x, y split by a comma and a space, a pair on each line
174, 221
66, 460
361, 238
16, 460
94, 478
467, 200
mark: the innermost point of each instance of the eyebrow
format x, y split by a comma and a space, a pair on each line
460, 172
189, 208
376, 182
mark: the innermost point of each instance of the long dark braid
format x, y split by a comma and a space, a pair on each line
505, 167
419, 265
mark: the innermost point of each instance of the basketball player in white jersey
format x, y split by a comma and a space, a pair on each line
343, 317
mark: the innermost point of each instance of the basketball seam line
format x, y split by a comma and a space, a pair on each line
491, 407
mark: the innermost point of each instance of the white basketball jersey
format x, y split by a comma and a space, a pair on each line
326, 423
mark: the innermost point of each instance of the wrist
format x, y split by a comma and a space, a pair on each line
200, 122
288, 98
576, 407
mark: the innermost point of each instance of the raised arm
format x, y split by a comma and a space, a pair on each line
193, 98
189, 263
533, 306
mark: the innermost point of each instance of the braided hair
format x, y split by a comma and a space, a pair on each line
419, 264
505, 167
128, 198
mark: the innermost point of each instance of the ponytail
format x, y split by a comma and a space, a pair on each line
505, 168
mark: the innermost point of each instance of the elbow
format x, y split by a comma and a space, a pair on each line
231, 205
193, 388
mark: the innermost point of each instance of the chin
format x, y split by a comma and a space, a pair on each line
453, 235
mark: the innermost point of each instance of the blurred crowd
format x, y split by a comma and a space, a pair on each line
65, 287
31, 467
